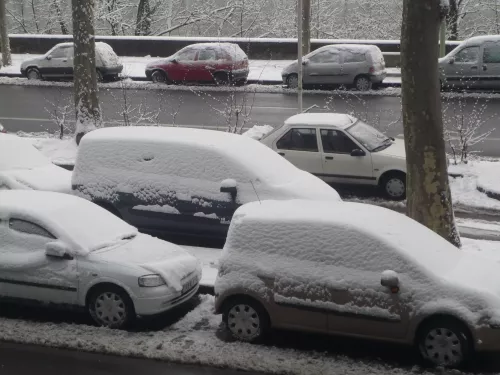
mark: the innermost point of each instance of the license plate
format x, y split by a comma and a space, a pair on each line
189, 284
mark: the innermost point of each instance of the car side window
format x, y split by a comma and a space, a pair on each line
491, 53
299, 140
207, 55
326, 57
70, 52
188, 55
468, 55
354, 57
336, 142
59, 53
28, 227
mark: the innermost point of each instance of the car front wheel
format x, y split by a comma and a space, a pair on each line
245, 319
110, 306
393, 185
33, 74
292, 81
159, 77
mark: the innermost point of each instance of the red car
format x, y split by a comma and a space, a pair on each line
220, 63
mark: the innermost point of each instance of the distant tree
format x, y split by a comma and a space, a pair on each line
428, 191
4, 36
88, 113
143, 23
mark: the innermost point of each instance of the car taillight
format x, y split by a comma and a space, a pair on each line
372, 69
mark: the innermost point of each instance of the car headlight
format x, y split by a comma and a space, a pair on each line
149, 281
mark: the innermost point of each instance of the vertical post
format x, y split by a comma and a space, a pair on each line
4, 37
306, 27
299, 52
442, 38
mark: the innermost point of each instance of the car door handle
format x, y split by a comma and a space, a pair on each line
485, 68
281, 153
329, 157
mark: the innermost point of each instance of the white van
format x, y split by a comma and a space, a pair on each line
185, 181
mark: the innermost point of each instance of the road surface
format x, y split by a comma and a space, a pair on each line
29, 108
16, 359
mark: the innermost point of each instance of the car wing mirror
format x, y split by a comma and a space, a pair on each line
390, 279
451, 61
49, 57
358, 152
175, 60
58, 250
305, 62
229, 186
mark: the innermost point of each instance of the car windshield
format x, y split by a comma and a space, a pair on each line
369, 137
20, 154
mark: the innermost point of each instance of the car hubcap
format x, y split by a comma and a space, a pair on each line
110, 309
32, 75
395, 187
443, 347
243, 322
363, 84
158, 77
293, 82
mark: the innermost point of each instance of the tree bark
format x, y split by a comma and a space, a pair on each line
306, 27
429, 199
60, 17
143, 22
88, 113
4, 36
452, 20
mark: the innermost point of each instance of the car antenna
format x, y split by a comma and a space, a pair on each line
255, 192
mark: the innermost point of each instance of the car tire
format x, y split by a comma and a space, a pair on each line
444, 342
363, 83
33, 74
99, 76
159, 76
292, 81
393, 185
245, 319
222, 79
110, 306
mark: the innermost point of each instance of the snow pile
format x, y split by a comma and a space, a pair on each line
321, 247
165, 209
258, 132
489, 180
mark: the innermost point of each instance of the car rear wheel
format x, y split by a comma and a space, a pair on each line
221, 79
99, 76
393, 185
444, 342
159, 76
33, 74
363, 83
110, 306
246, 319
292, 81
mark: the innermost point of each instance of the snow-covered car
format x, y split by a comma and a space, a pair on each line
221, 63
356, 270
169, 180
58, 63
357, 65
63, 250
22, 166
341, 149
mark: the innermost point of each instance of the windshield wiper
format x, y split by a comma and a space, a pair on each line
383, 146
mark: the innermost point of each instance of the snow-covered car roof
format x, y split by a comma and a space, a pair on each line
338, 120
351, 47
82, 223
481, 39
19, 153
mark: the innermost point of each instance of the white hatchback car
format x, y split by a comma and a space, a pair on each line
339, 148
63, 250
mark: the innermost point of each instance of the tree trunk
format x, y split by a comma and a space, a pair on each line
143, 22
4, 36
452, 20
306, 27
428, 191
60, 17
88, 113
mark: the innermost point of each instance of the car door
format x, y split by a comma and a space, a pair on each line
490, 68
206, 64
300, 147
338, 164
323, 68
183, 68
25, 270
59, 65
353, 63
463, 69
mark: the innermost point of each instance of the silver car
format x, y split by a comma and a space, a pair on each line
475, 63
58, 63
355, 65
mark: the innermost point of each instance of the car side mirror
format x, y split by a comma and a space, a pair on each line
49, 57
305, 62
175, 60
358, 152
229, 186
451, 61
390, 279
58, 250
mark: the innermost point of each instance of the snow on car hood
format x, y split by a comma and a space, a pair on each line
307, 186
397, 149
158, 62
48, 178
154, 255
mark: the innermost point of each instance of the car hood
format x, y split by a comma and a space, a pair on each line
48, 178
397, 149
158, 62
31, 61
155, 256
290, 68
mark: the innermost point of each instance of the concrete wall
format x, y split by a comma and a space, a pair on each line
256, 48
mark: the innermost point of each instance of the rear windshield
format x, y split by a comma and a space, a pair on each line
235, 52
108, 56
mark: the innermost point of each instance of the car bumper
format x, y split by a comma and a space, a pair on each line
239, 75
153, 305
378, 78
111, 70
487, 339
149, 72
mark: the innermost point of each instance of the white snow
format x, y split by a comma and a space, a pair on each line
166, 209
209, 258
208, 216
228, 183
258, 132
106, 54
